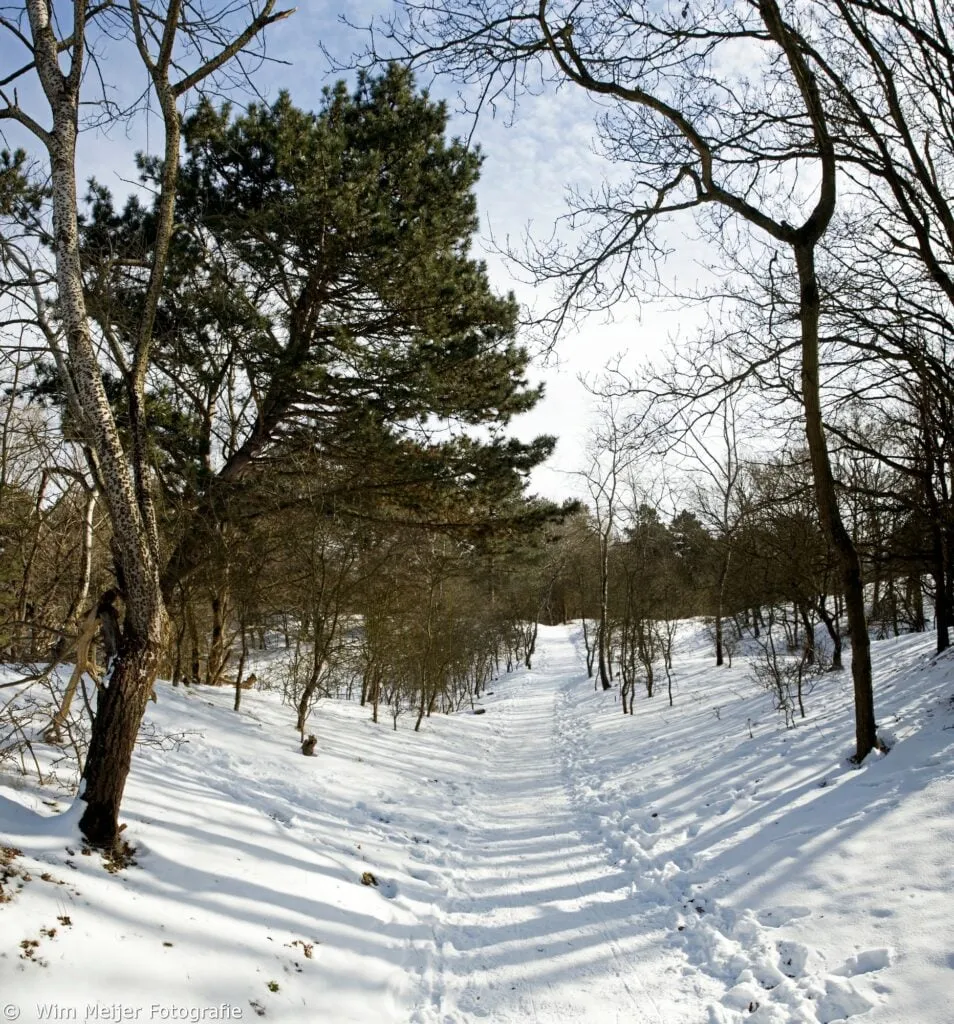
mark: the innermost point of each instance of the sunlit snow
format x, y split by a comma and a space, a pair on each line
549, 861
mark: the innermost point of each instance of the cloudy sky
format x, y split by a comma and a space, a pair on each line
530, 160
528, 166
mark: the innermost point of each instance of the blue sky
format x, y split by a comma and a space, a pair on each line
528, 166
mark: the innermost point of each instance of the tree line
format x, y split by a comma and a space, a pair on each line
727, 531
809, 145
271, 360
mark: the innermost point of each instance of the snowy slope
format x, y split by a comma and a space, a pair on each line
551, 860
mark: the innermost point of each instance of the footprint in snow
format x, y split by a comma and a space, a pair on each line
422, 876
387, 888
776, 917
841, 1000
866, 962
792, 958
470, 1004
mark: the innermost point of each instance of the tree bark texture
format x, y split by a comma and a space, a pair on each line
119, 711
829, 513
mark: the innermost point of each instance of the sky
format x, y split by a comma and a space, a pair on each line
528, 166
531, 157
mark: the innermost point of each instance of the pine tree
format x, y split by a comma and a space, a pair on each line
323, 336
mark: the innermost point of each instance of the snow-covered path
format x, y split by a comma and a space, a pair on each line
547, 861
598, 868
537, 926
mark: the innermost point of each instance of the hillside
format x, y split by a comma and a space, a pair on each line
549, 860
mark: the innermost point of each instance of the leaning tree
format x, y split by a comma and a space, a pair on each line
180, 47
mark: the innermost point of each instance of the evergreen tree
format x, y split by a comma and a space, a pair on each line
322, 337
323, 316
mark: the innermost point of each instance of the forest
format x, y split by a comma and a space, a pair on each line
266, 397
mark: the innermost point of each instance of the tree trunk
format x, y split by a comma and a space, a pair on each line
588, 647
195, 653
218, 656
422, 707
809, 648
866, 737
82, 663
180, 635
720, 603
876, 607
914, 599
123, 475
86, 558
121, 705
601, 638
243, 657
942, 609
832, 626
119, 711
530, 643
27, 650
311, 686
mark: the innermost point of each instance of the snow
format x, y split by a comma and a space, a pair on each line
551, 860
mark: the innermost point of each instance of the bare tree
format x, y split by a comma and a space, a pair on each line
610, 456
711, 454
698, 136
180, 46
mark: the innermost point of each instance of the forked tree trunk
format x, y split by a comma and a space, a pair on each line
123, 701
123, 475
833, 632
82, 662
